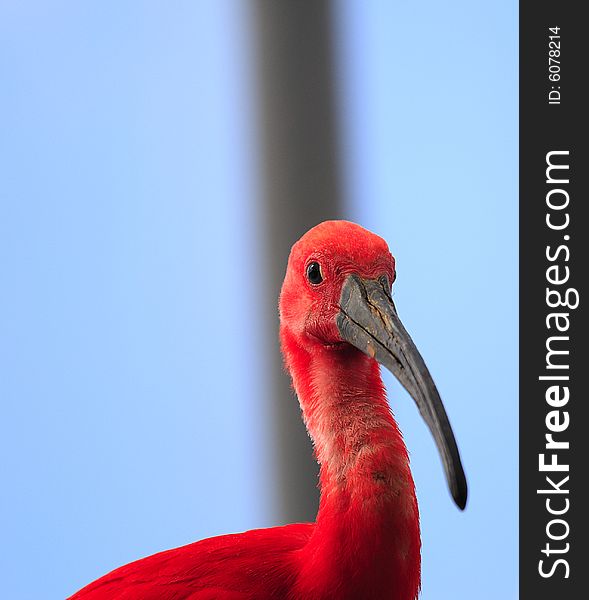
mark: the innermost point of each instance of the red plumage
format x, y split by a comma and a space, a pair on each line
365, 543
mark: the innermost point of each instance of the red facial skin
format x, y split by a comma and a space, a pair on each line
365, 543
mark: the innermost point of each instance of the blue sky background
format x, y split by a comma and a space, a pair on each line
128, 161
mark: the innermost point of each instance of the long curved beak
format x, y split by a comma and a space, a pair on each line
368, 320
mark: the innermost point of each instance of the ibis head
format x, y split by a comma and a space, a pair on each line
337, 293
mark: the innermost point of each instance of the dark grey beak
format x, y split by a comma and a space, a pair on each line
368, 320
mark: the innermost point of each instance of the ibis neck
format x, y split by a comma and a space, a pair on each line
347, 414
368, 511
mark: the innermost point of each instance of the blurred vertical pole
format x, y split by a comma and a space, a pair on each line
301, 188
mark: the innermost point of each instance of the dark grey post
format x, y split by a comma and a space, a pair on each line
301, 188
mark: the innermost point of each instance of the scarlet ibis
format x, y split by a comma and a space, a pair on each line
337, 323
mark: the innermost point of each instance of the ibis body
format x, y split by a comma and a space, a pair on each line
337, 323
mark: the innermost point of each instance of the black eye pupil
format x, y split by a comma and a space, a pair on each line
314, 273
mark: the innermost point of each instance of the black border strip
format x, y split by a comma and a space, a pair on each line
544, 128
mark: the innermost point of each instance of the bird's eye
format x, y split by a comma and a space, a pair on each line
314, 274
